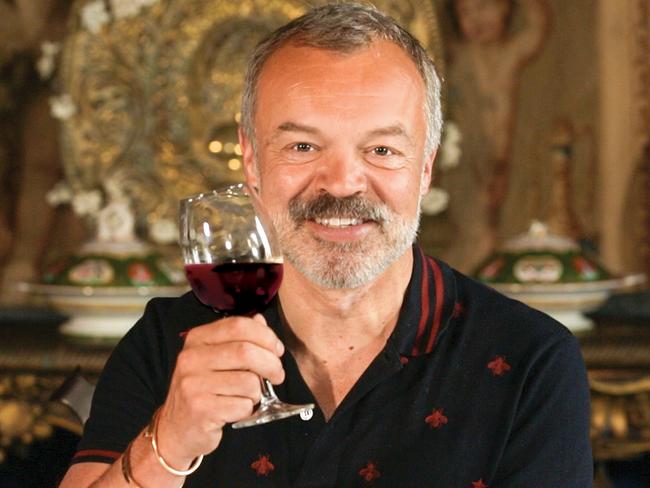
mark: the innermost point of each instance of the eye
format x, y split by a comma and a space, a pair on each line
303, 147
388, 157
382, 151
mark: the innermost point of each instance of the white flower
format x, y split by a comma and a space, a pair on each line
47, 62
450, 150
45, 67
87, 203
435, 201
129, 8
94, 15
538, 229
113, 186
163, 231
62, 107
125, 8
61, 193
115, 223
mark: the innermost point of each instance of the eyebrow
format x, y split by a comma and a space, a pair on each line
391, 130
295, 127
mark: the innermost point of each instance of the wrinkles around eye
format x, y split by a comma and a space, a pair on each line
391, 160
299, 153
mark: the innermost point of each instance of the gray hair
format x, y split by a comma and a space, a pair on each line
344, 28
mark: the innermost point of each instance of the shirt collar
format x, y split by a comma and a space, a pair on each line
429, 304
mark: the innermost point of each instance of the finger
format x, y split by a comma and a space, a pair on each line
243, 384
230, 356
231, 329
232, 409
207, 416
221, 410
258, 317
248, 357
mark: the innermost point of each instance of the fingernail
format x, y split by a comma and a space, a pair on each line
279, 348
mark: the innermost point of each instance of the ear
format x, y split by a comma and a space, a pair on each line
248, 158
427, 173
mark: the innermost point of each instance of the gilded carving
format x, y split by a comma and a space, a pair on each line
620, 417
24, 414
156, 94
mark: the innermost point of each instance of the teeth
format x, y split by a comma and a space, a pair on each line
337, 222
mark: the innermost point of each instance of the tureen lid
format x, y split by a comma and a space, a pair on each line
541, 257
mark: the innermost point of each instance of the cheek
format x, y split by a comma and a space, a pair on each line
280, 183
399, 190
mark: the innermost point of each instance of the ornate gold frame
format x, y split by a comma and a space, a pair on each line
157, 94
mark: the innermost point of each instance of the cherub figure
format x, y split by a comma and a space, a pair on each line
486, 61
28, 226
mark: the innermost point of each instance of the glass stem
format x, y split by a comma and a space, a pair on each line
268, 394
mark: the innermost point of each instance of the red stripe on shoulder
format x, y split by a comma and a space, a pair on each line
97, 452
425, 304
440, 300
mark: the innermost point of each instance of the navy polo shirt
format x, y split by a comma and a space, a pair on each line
472, 390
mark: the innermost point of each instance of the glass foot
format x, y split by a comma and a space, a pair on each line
273, 410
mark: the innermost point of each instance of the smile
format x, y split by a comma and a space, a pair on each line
338, 222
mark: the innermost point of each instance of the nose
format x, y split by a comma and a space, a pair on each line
342, 175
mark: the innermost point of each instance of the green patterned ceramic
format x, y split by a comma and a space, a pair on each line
553, 274
105, 287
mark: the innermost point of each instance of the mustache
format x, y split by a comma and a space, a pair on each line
327, 206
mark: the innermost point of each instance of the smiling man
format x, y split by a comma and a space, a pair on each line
421, 376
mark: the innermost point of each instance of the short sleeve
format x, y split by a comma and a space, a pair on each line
549, 444
131, 386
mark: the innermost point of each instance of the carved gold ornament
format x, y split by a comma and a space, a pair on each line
620, 416
24, 413
151, 89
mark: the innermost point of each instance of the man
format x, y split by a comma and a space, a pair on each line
422, 377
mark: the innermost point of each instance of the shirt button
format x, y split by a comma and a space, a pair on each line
307, 414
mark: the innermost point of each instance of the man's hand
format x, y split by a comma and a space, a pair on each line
216, 381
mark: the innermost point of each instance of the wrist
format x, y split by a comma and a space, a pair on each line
168, 445
176, 465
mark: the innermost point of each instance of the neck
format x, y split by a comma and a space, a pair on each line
324, 321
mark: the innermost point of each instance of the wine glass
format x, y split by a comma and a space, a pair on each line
234, 265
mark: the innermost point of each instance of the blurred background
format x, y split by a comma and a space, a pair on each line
112, 110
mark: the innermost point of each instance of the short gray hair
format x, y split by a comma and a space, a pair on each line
344, 28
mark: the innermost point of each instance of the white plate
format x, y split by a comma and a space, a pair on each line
566, 302
99, 313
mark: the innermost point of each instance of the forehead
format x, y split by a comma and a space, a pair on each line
378, 72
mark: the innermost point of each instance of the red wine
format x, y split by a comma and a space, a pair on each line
235, 288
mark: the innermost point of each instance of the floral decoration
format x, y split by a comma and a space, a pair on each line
94, 16
46, 63
450, 147
109, 209
129, 8
62, 107
436, 199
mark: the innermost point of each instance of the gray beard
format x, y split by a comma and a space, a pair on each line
349, 264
